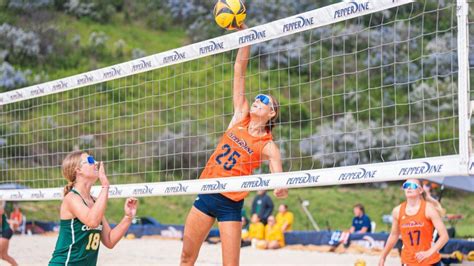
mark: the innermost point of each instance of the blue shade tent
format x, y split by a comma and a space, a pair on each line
12, 186
465, 183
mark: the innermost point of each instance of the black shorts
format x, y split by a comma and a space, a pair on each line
220, 207
7, 234
435, 264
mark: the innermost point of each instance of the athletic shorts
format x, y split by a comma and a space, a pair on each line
219, 207
7, 234
435, 264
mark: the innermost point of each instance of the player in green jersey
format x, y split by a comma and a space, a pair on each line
83, 225
5, 235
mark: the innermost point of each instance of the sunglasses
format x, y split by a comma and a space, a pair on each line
410, 185
89, 160
265, 99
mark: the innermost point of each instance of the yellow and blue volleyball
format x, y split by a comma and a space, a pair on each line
229, 14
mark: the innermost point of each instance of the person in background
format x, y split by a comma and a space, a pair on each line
256, 230
284, 218
360, 222
16, 218
245, 229
428, 188
245, 220
262, 205
5, 236
274, 237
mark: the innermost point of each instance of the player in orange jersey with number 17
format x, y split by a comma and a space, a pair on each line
415, 220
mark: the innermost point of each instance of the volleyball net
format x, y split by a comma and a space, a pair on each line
369, 92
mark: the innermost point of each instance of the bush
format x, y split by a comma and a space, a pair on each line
348, 141
29, 5
138, 53
11, 78
98, 10
182, 151
19, 43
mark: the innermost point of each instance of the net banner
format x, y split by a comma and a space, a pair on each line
389, 171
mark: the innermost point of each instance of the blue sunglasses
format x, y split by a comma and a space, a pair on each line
410, 185
90, 160
265, 99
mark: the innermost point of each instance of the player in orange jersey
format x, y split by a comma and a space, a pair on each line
415, 220
245, 144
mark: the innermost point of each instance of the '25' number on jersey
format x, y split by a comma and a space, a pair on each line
231, 160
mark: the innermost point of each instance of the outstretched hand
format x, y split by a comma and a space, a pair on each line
243, 27
130, 208
104, 181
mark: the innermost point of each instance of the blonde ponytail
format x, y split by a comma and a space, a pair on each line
69, 166
441, 211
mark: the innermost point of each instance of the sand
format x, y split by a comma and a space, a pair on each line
37, 250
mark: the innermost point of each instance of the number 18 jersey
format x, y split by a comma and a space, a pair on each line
77, 243
238, 154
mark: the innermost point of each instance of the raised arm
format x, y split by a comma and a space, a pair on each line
110, 237
90, 216
393, 238
241, 105
272, 154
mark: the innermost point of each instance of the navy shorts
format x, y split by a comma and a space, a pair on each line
220, 207
7, 234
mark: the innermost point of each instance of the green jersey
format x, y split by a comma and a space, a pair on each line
77, 243
5, 225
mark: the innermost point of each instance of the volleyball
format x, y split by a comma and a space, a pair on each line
229, 14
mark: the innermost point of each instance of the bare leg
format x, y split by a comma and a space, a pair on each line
274, 245
196, 229
4, 251
230, 233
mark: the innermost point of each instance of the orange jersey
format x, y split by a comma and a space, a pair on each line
238, 153
16, 216
417, 235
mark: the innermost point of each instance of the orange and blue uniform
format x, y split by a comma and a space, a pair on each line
417, 235
238, 154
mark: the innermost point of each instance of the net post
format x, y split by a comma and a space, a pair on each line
463, 83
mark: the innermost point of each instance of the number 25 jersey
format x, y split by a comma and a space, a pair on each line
237, 154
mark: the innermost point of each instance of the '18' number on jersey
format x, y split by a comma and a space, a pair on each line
94, 241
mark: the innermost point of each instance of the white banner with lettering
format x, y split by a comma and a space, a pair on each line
368, 173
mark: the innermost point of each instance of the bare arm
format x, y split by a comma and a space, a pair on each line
88, 216
440, 227
435, 218
110, 237
393, 238
352, 230
284, 226
363, 230
272, 154
241, 105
